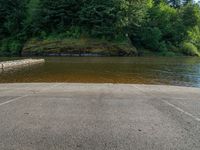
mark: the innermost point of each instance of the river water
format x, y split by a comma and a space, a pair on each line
183, 71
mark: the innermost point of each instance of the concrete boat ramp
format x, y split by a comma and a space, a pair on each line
61, 116
19, 63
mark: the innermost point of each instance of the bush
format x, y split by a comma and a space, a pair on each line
168, 54
172, 48
43, 35
4, 48
73, 32
162, 47
151, 38
15, 47
10, 47
190, 49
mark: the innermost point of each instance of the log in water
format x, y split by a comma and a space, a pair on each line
18, 63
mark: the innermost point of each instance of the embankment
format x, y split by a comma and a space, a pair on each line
77, 47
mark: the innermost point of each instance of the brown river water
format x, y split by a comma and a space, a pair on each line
183, 71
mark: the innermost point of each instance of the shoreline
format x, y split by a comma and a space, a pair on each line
77, 47
101, 84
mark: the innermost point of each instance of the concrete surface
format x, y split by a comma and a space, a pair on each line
19, 63
99, 117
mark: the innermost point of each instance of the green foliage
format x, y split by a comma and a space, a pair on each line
165, 27
10, 47
159, 25
12, 15
168, 53
175, 3
57, 15
192, 24
72, 32
151, 38
134, 16
191, 15
4, 48
32, 8
99, 17
15, 47
190, 49
165, 18
194, 36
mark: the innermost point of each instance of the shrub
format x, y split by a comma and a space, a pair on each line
10, 47
4, 48
162, 46
15, 47
168, 53
43, 35
73, 32
172, 48
151, 39
190, 49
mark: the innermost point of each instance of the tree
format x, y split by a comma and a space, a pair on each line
153, 24
190, 15
2, 19
157, 2
99, 17
175, 3
136, 15
12, 17
59, 14
185, 2
160, 28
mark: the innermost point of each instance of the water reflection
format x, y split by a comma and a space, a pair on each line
152, 70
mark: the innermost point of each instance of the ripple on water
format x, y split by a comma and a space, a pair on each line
184, 71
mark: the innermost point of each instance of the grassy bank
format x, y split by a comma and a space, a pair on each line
77, 47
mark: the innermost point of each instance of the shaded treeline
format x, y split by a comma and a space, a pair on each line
165, 26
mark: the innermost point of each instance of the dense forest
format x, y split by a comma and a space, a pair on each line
168, 27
